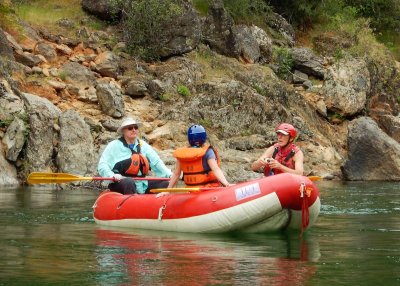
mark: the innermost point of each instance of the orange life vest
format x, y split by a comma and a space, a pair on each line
131, 167
283, 156
191, 162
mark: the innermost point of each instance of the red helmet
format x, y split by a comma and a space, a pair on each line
286, 129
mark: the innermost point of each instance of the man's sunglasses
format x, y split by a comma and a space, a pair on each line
131, 127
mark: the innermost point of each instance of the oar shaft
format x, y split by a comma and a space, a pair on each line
60, 178
134, 178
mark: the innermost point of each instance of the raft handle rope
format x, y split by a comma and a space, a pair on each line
162, 208
305, 193
214, 199
160, 211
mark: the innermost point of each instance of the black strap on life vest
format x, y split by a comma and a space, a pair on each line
288, 156
125, 163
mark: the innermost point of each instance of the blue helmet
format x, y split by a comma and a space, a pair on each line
197, 135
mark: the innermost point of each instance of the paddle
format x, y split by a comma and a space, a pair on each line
178, 190
60, 178
199, 189
314, 178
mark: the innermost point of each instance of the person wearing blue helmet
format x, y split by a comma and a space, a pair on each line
199, 162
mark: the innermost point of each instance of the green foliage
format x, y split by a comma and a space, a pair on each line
246, 132
384, 14
391, 39
338, 55
201, 6
5, 122
145, 22
301, 13
205, 122
284, 59
63, 75
335, 117
258, 88
183, 90
248, 11
166, 96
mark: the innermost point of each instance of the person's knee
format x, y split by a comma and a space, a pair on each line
126, 186
164, 184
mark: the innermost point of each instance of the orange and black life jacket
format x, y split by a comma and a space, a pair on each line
191, 162
283, 156
137, 162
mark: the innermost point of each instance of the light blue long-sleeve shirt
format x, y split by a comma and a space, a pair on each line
115, 152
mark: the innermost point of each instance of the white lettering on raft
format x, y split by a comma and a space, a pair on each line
247, 191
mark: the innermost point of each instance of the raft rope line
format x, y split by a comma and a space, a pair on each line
305, 193
162, 208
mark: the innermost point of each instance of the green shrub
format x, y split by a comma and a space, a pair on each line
166, 96
301, 13
201, 6
183, 90
284, 59
63, 75
5, 122
384, 14
205, 122
248, 11
144, 23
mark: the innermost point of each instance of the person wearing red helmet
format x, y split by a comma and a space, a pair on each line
282, 157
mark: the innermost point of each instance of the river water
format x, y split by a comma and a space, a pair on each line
48, 237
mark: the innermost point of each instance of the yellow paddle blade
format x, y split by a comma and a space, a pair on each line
175, 190
314, 178
54, 178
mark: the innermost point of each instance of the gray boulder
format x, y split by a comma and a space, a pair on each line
264, 43
372, 154
5, 48
218, 30
77, 74
183, 33
101, 9
8, 173
110, 98
28, 59
308, 62
75, 149
14, 139
346, 86
106, 64
247, 45
283, 32
10, 104
391, 124
42, 137
46, 50
135, 88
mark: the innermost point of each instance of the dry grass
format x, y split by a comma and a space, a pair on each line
41, 13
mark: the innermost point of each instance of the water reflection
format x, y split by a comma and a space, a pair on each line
150, 258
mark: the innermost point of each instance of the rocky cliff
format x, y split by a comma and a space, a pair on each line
63, 97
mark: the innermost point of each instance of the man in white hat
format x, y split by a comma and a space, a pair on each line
128, 157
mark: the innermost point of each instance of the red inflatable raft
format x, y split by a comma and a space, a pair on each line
261, 205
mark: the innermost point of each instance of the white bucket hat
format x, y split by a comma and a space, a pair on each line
128, 121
